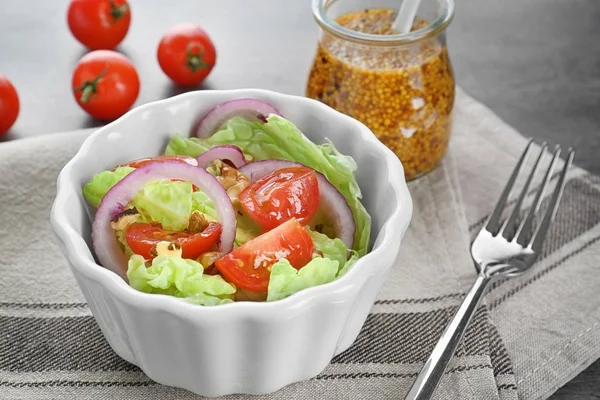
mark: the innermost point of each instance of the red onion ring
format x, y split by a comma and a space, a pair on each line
231, 153
331, 201
105, 244
250, 108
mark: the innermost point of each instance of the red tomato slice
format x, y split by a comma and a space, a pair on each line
249, 266
144, 161
141, 237
282, 195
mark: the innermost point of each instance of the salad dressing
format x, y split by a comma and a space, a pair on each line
404, 94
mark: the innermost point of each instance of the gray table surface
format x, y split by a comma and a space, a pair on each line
536, 63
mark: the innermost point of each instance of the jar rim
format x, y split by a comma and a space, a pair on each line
319, 9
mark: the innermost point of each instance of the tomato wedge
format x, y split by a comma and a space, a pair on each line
282, 195
141, 237
249, 266
144, 161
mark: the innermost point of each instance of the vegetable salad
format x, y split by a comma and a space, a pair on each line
247, 209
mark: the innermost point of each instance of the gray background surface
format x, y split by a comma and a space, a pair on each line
536, 63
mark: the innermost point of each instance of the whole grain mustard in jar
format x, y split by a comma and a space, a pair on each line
400, 85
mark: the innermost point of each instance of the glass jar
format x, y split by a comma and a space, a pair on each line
400, 85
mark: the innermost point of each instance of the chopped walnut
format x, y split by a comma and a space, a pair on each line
230, 176
207, 259
234, 191
197, 222
212, 270
214, 168
123, 220
165, 248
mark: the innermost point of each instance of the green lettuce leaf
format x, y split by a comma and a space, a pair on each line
192, 147
246, 230
348, 264
123, 241
201, 202
280, 139
179, 277
167, 202
94, 190
286, 280
334, 249
171, 203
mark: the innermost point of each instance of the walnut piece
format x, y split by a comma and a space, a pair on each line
166, 248
197, 222
123, 220
230, 176
207, 259
234, 191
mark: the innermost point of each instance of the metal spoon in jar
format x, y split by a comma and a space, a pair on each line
406, 16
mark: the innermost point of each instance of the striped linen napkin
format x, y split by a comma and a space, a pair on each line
531, 336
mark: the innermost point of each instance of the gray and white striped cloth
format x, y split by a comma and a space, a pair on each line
533, 334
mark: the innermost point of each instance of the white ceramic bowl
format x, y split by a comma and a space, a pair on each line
245, 347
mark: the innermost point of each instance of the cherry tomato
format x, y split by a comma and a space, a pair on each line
249, 266
143, 161
105, 84
141, 237
9, 104
186, 54
99, 24
284, 194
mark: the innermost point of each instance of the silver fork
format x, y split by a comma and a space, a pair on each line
501, 249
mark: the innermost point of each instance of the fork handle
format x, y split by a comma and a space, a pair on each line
436, 364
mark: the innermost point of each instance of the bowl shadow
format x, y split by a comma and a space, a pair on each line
171, 89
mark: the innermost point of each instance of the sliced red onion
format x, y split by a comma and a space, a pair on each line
258, 169
331, 201
116, 199
231, 153
250, 108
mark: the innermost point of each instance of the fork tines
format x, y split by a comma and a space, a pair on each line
516, 228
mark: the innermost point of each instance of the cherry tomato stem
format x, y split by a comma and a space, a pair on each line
118, 12
90, 87
194, 61
105, 84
